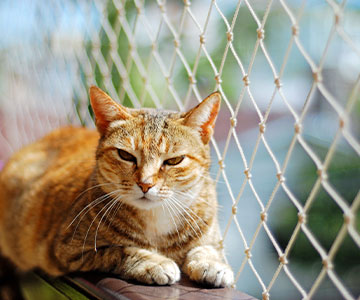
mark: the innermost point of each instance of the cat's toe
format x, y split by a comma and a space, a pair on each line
224, 278
172, 271
167, 272
211, 273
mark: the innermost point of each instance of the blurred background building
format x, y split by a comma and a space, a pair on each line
288, 72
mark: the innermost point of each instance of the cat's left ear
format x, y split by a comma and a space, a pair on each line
203, 116
106, 110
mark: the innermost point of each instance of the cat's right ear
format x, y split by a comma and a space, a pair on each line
106, 110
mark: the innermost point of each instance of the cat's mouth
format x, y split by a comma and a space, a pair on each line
145, 202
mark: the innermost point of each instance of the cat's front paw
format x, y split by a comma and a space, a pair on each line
211, 273
156, 269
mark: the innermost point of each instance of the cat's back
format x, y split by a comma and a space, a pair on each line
48, 158
54, 150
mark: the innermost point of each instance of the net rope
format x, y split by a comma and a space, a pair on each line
88, 62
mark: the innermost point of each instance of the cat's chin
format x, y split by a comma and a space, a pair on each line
144, 203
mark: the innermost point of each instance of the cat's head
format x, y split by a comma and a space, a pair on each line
148, 156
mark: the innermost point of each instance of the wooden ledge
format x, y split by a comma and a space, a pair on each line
103, 286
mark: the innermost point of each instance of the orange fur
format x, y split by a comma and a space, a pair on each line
74, 202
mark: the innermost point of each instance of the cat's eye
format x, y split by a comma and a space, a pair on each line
174, 161
126, 156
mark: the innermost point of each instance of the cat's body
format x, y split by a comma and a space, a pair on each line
134, 199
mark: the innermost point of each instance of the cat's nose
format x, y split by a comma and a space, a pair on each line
145, 186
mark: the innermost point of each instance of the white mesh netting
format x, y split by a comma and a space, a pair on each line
289, 76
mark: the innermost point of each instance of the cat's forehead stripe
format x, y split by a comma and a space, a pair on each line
153, 128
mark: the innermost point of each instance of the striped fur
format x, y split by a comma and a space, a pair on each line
71, 202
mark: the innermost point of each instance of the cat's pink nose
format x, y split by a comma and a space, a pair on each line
145, 186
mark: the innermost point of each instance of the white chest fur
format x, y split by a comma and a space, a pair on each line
160, 221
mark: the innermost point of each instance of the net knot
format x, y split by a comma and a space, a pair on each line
298, 128
265, 296
295, 30
221, 164
348, 218
247, 173
246, 80
283, 260
263, 216
168, 80
192, 80
176, 43
302, 217
322, 174
262, 127
153, 46
260, 33
278, 82
327, 263
234, 210
341, 123
233, 122
121, 12
337, 18
162, 7
230, 36
218, 79
280, 177
202, 39
247, 252
317, 76
139, 10
221, 244
187, 3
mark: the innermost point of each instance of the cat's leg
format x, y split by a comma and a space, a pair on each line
128, 262
148, 267
204, 264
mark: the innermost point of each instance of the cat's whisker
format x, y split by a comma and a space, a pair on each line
103, 197
92, 222
89, 207
209, 178
178, 213
189, 208
117, 208
94, 187
171, 216
182, 215
94, 204
162, 205
190, 195
184, 209
114, 202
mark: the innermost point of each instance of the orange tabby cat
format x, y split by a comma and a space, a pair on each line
134, 198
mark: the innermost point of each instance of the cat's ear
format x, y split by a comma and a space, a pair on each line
203, 116
106, 110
